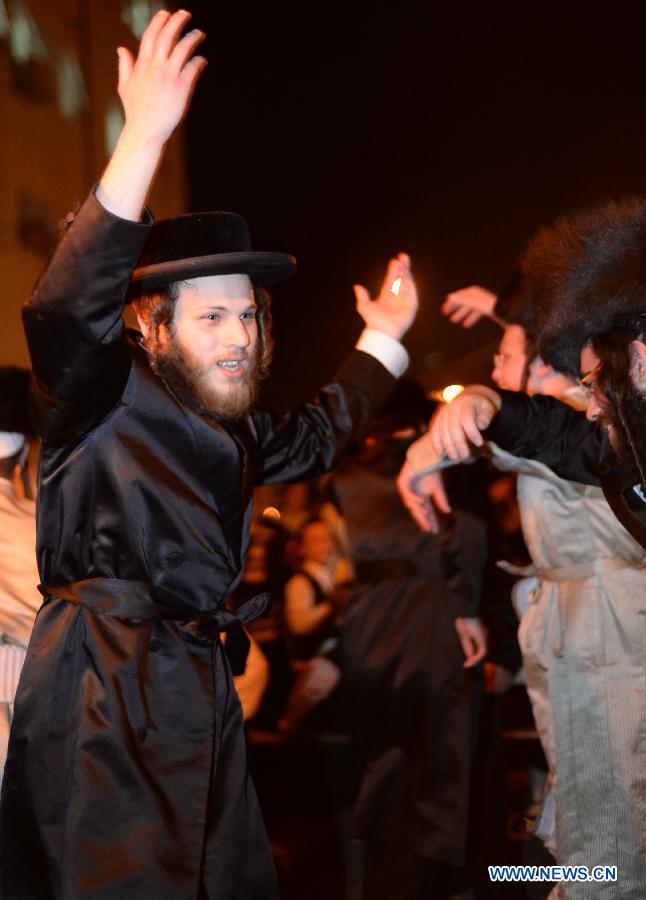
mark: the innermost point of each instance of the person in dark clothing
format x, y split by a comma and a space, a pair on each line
126, 773
410, 640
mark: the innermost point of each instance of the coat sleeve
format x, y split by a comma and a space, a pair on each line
311, 439
79, 353
544, 429
464, 553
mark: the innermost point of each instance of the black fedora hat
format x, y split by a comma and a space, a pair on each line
207, 243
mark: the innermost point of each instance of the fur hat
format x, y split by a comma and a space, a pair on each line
586, 275
199, 244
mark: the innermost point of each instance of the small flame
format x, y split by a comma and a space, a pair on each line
395, 286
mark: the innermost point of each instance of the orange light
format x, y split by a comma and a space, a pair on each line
451, 392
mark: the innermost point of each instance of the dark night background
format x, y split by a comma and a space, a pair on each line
345, 133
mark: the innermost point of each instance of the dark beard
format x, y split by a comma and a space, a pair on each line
628, 423
185, 377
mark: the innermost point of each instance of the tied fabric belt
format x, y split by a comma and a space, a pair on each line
138, 600
585, 570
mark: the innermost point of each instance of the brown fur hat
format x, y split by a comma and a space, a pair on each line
586, 275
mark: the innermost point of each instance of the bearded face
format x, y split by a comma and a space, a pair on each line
620, 406
209, 352
195, 383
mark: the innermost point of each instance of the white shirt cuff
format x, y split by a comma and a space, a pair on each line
386, 349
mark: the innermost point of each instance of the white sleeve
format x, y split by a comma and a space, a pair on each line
386, 349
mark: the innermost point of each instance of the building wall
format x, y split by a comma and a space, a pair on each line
50, 158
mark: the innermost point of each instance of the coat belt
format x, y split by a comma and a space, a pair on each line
586, 569
141, 600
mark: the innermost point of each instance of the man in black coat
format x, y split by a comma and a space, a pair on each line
126, 774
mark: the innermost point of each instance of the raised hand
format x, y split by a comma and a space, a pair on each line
155, 89
468, 305
394, 310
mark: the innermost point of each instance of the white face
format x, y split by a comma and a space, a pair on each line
215, 322
509, 367
208, 354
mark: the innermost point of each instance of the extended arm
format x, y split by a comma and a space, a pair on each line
539, 428
551, 432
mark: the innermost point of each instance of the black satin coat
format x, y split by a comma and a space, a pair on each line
126, 775
413, 703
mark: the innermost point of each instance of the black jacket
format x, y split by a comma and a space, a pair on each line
547, 430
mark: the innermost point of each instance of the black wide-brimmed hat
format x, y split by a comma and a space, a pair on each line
200, 244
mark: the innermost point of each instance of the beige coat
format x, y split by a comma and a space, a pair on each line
584, 649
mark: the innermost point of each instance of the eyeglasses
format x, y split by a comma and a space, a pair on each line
588, 380
499, 359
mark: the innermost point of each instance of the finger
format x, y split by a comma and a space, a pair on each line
408, 282
169, 33
396, 269
150, 35
447, 437
440, 500
478, 651
185, 49
435, 436
467, 648
423, 515
471, 319
458, 314
191, 72
456, 429
432, 521
469, 425
126, 65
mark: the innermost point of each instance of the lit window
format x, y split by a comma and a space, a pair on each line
138, 13
29, 56
72, 94
112, 126
4, 21
25, 41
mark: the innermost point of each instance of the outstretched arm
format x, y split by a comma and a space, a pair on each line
311, 439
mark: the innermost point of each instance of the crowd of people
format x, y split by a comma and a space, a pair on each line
136, 631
